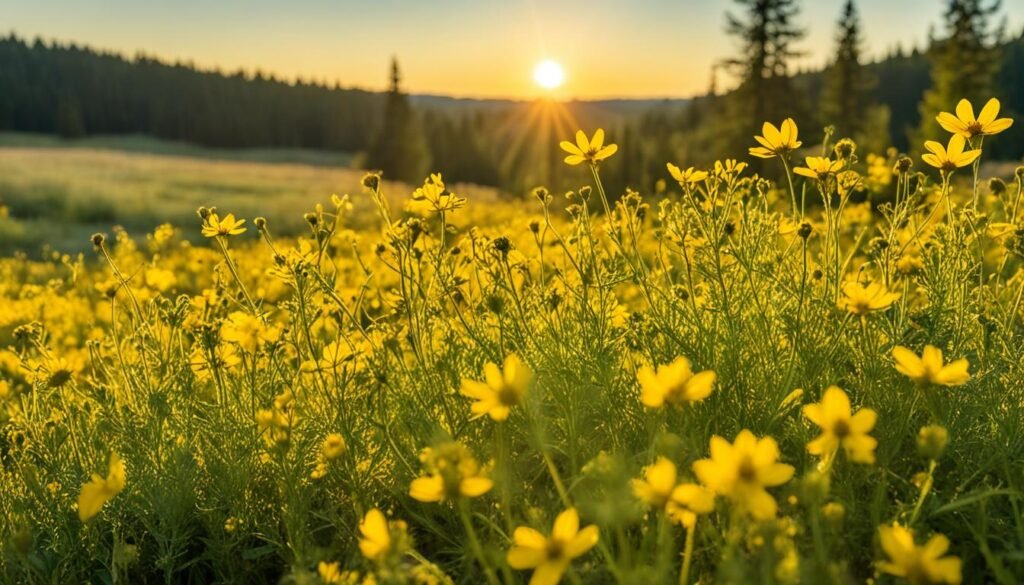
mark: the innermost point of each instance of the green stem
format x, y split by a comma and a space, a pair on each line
926, 487
684, 572
474, 543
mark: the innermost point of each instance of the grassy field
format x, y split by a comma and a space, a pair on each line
59, 192
733, 380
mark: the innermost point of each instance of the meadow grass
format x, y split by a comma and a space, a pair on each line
732, 381
139, 183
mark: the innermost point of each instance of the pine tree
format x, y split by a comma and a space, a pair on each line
964, 63
399, 148
767, 33
848, 85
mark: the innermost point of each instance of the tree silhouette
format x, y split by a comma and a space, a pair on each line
964, 63
399, 149
766, 32
848, 85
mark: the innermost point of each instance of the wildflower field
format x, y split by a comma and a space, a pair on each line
812, 379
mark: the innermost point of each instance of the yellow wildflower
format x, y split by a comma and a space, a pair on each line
551, 556
919, 565
951, 157
377, 540
333, 446
861, 300
929, 367
248, 331
966, 125
502, 389
674, 383
681, 501
819, 167
330, 573
776, 141
592, 151
729, 168
215, 226
690, 175
101, 490
437, 195
452, 472
742, 470
839, 426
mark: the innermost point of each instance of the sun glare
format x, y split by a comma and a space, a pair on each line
548, 74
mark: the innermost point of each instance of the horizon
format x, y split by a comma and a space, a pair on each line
597, 69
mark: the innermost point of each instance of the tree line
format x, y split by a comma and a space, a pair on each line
74, 91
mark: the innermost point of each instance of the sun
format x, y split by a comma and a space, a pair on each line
548, 74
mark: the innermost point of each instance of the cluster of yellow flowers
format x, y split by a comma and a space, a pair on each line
578, 385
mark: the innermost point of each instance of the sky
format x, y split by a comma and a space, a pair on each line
466, 48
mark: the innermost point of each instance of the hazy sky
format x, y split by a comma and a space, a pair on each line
650, 48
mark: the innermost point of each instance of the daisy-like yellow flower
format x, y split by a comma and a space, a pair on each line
248, 331
378, 537
862, 299
228, 226
919, 565
674, 383
501, 389
332, 574
819, 167
681, 501
929, 367
549, 557
841, 427
690, 175
776, 141
742, 470
437, 195
729, 168
452, 472
101, 490
593, 150
951, 157
966, 125
333, 446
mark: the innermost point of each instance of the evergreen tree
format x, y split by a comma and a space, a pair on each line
848, 85
399, 148
964, 64
767, 33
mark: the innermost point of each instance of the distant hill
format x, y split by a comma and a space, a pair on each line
74, 91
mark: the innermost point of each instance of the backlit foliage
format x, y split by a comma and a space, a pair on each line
737, 381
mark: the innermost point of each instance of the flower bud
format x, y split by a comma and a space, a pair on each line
371, 181
804, 231
932, 441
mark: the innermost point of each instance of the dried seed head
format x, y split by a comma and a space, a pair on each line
371, 181
845, 148
903, 164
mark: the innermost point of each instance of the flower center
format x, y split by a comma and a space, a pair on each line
841, 428
974, 128
555, 549
747, 471
507, 395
